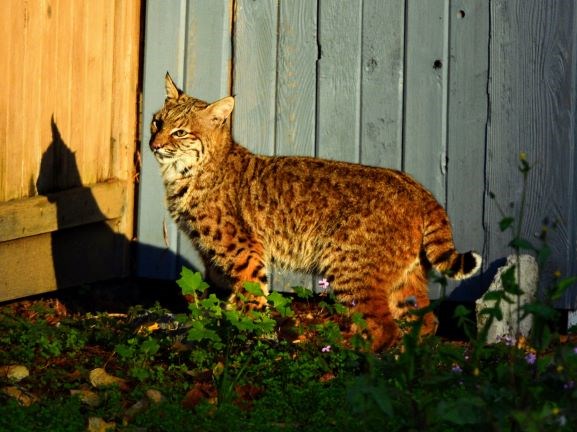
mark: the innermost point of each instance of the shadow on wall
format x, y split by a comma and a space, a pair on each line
86, 247
474, 288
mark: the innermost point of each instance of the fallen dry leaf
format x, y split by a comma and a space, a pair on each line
87, 397
97, 424
23, 398
134, 409
100, 378
199, 392
329, 376
154, 395
14, 373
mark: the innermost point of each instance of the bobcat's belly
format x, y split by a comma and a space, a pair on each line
292, 254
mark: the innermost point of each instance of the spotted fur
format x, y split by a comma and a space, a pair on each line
372, 232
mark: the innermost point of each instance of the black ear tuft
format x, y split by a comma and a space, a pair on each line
172, 91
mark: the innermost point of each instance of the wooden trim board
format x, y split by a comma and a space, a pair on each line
62, 259
60, 210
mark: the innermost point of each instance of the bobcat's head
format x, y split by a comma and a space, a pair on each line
185, 129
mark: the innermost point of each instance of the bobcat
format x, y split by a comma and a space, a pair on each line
374, 233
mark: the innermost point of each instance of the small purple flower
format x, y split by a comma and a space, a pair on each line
507, 340
324, 284
530, 358
354, 303
456, 369
575, 350
326, 348
569, 385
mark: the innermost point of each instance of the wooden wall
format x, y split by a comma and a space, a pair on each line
68, 117
449, 91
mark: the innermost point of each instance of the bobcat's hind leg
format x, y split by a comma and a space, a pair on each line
371, 301
384, 331
412, 293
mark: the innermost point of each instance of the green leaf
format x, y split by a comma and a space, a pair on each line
124, 351
302, 292
561, 286
461, 312
253, 288
199, 332
149, 347
521, 244
462, 411
495, 313
191, 282
281, 303
213, 304
506, 222
340, 309
364, 393
509, 282
541, 310
543, 255
494, 296
358, 320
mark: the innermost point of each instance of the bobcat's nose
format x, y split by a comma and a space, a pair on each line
155, 144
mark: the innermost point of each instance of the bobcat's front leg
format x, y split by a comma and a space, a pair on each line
246, 264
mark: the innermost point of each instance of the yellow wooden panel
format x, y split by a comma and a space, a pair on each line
68, 119
60, 210
72, 67
62, 259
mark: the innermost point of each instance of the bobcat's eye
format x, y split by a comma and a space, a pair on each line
180, 133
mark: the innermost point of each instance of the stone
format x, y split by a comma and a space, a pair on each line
509, 329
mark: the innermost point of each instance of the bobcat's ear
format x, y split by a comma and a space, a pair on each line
172, 91
220, 110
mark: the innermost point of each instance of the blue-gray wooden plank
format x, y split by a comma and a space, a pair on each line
467, 123
296, 78
254, 74
296, 98
532, 100
382, 71
207, 71
426, 74
208, 49
157, 235
339, 83
182, 37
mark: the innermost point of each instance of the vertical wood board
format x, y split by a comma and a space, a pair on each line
254, 74
295, 103
157, 234
296, 78
426, 74
67, 141
190, 40
382, 73
207, 74
339, 85
466, 128
532, 66
63, 59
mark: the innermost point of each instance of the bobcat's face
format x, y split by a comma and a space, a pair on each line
181, 130
173, 140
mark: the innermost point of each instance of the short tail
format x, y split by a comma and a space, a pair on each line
440, 249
